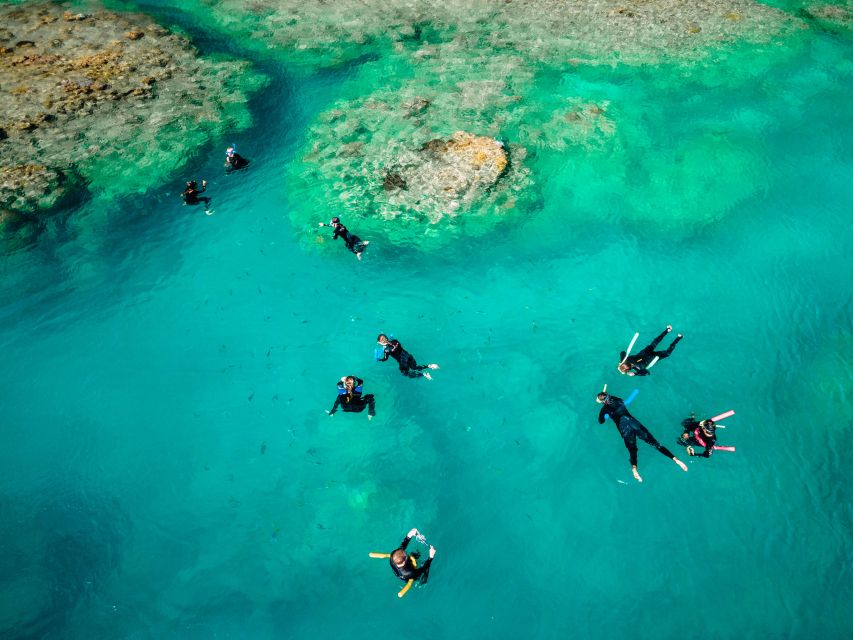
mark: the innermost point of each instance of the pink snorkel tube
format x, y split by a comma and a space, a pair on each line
723, 415
714, 419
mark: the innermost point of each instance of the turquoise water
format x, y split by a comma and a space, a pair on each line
170, 472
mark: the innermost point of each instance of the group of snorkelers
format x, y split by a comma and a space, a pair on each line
352, 399
192, 194
696, 433
350, 396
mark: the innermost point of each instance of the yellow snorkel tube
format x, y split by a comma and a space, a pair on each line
409, 583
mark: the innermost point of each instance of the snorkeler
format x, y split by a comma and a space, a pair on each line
405, 565
639, 365
352, 241
350, 398
702, 434
233, 160
630, 429
698, 434
191, 193
408, 366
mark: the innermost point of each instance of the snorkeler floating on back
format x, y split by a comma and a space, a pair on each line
352, 241
630, 429
408, 366
350, 398
639, 364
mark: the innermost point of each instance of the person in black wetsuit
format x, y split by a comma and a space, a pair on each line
698, 434
630, 429
404, 564
191, 194
234, 161
637, 365
408, 366
351, 399
352, 241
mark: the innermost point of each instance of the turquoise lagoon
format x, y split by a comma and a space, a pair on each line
169, 470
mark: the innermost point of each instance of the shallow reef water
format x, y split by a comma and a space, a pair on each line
537, 182
103, 103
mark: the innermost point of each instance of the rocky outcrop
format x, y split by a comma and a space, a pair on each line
117, 99
379, 163
448, 172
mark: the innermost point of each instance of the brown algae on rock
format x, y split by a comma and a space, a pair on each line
114, 99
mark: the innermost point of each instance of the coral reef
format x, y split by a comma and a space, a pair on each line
628, 31
489, 69
836, 17
113, 101
394, 166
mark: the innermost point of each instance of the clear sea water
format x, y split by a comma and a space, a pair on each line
169, 470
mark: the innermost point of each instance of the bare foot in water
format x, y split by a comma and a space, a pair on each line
432, 366
637, 474
680, 464
427, 376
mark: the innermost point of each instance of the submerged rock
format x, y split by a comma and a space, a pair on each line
116, 99
320, 33
831, 16
405, 183
461, 168
28, 188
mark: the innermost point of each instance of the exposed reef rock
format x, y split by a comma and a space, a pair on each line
116, 99
393, 174
460, 169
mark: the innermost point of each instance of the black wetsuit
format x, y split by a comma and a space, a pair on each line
235, 161
693, 438
191, 194
639, 362
409, 571
408, 366
629, 428
352, 241
355, 401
